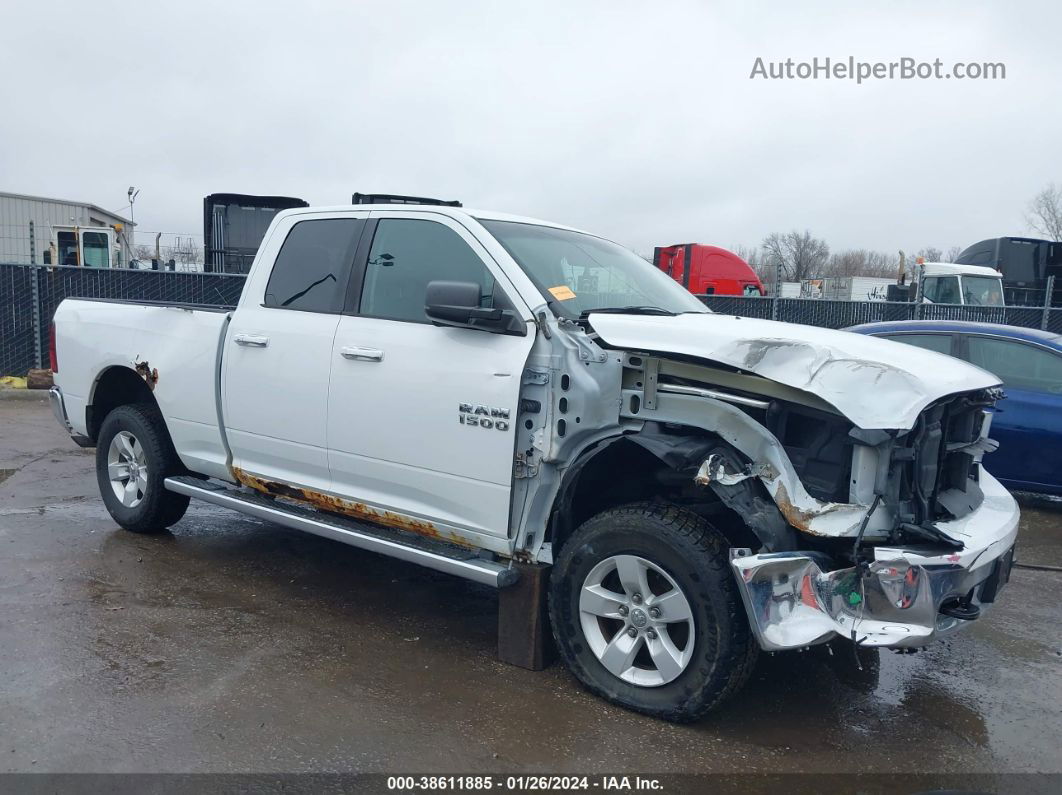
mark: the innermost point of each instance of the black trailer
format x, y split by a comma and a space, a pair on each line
1026, 264
234, 225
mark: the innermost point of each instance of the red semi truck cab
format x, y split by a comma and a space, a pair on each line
711, 271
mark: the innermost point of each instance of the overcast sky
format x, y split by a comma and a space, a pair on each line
635, 120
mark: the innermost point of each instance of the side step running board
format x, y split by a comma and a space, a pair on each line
441, 556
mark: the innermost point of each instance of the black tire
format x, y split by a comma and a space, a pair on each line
694, 555
158, 508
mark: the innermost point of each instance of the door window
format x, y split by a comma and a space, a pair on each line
66, 243
1018, 364
97, 249
406, 254
311, 270
982, 291
942, 289
941, 343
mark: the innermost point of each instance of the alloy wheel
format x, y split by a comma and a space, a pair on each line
636, 620
127, 469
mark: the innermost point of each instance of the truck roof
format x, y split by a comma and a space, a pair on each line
951, 269
453, 212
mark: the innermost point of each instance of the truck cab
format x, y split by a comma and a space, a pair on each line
971, 285
708, 270
84, 246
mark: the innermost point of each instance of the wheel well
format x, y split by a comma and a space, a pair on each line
624, 472
618, 474
116, 386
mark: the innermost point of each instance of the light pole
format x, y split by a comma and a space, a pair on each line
132, 193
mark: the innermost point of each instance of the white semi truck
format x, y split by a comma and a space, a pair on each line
970, 285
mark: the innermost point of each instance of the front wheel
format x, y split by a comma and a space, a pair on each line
134, 456
646, 613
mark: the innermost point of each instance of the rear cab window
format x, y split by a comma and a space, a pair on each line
97, 249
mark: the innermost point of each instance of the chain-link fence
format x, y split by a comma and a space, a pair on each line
842, 314
29, 295
19, 340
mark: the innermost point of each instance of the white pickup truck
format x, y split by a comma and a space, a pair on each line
516, 402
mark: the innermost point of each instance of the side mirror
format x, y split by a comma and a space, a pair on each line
457, 304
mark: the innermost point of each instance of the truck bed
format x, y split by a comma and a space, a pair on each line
172, 346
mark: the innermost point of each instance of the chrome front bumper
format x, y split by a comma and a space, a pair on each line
793, 602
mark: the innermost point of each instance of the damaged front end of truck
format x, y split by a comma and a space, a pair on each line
856, 474
939, 551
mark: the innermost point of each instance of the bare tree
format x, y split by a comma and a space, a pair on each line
850, 262
880, 263
931, 254
952, 253
754, 256
861, 262
802, 255
751, 254
1044, 215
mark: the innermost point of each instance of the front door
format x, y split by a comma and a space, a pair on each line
278, 354
420, 417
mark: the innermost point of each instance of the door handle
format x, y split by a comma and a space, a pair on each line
361, 354
251, 340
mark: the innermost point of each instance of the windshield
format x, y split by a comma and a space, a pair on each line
982, 291
578, 273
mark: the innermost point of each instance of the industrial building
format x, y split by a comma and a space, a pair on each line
38, 230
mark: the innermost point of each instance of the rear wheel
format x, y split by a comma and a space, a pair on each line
646, 613
134, 455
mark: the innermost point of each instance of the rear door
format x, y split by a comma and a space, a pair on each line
420, 416
278, 352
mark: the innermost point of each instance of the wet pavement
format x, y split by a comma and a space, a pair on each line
237, 645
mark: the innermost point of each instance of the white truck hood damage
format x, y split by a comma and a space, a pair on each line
875, 383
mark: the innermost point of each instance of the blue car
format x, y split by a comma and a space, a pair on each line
1028, 424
